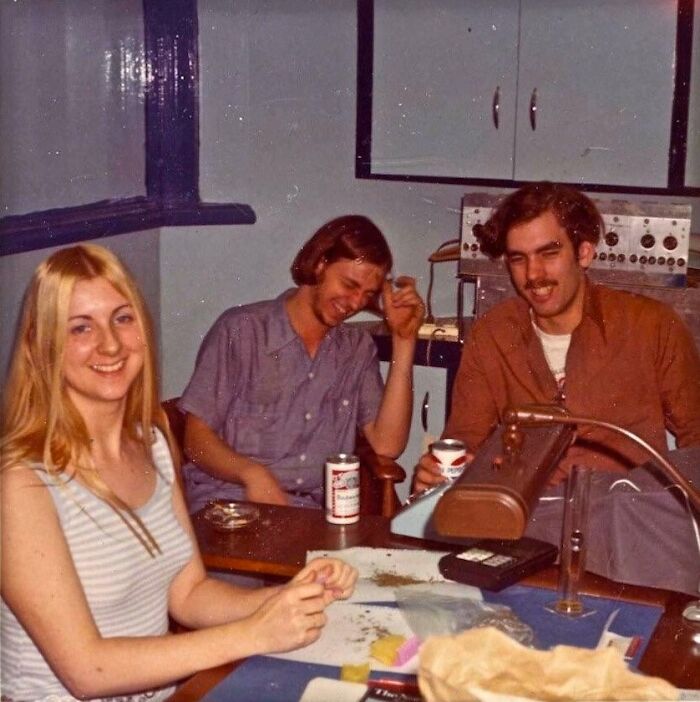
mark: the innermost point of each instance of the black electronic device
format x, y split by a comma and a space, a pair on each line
494, 564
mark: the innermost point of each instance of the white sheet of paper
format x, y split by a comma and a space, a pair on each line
381, 571
350, 631
326, 689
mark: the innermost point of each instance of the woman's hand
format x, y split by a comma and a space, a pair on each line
337, 578
292, 617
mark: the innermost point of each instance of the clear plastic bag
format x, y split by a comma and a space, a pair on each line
433, 614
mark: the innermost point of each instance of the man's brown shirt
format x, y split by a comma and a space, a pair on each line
631, 362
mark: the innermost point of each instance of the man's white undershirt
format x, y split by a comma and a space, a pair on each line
555, 347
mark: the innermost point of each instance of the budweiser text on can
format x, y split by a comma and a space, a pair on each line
342, 488
451, 455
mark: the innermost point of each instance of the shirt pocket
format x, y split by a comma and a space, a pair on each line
260, 435
341, 405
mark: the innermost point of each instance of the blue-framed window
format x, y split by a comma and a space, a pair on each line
167, 174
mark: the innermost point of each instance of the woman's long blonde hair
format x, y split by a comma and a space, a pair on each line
40, 424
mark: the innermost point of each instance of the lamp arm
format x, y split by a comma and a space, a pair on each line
539, 416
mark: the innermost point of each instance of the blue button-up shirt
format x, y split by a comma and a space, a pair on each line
256, 386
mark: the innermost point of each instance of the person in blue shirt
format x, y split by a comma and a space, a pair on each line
280, 385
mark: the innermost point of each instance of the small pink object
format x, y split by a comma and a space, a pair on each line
407, 650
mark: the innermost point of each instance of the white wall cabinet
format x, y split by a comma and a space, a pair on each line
692, 164
433, 381
570, 91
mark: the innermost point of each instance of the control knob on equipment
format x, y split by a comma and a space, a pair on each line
612, 239
648, 241
670, 242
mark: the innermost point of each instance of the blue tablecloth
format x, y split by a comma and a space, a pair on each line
264, 679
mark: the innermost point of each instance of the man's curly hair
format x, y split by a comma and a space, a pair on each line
576, 213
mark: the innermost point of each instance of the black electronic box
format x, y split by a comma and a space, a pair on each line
494, 564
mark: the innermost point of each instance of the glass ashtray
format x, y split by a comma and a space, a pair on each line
227, 516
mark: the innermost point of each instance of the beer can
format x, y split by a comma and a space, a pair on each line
451, 455
342, 486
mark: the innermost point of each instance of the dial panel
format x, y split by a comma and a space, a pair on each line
649, 241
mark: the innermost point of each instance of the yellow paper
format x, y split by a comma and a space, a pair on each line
355, 673
386, 648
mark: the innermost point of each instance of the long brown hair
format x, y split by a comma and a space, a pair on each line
40, 424
350, 236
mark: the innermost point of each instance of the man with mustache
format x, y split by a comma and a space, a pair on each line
599, 352
280, 385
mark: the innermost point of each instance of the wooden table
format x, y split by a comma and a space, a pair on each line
276, 544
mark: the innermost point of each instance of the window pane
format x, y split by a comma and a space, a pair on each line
72, 82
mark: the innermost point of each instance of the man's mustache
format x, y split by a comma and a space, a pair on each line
543, 283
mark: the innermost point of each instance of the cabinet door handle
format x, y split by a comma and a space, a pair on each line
533, 110
424, 411
496, 105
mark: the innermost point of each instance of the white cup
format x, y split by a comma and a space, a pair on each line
451, 455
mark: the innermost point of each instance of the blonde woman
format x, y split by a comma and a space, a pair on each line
97, 548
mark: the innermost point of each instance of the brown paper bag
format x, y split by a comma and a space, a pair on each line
459, 668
